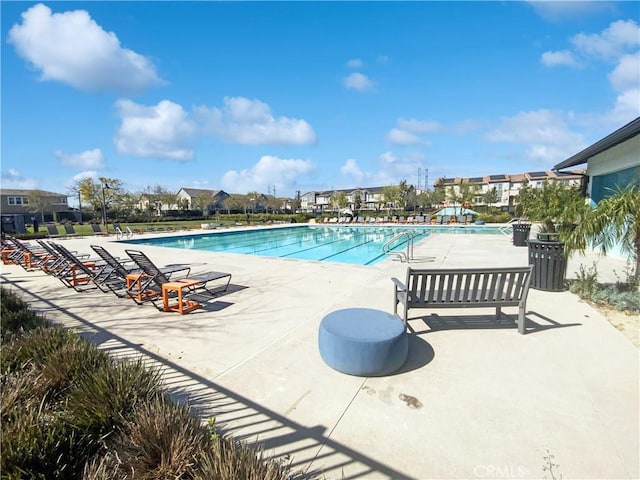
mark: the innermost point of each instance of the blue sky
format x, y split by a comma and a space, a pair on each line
301, 96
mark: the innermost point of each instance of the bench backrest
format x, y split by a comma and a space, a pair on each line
467, 286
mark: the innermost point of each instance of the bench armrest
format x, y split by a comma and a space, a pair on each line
399, 285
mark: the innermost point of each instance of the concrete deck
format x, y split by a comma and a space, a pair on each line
474, 400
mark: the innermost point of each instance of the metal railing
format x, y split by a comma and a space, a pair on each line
387, 248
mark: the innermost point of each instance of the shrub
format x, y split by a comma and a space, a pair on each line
126, 385
35, 441
586, 282
162, 440
15, 316
34, 348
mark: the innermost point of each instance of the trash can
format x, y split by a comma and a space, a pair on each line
549, 265
521, 234
548, 236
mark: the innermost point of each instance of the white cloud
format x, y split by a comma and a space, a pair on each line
418, 126
87, 159
250, 122
397, 136
355, 63
269, 171
407, 130
358, 81
612, 42
352, 170
388, 169
556, 11
562, 57
626, 108
72, 48
162, 131
626, 74
82, 175
545, 135
14, 179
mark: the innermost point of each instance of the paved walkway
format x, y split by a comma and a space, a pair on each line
474, 400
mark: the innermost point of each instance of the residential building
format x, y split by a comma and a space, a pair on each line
207, 200
507, 185
49, 206
612, 162
360, 199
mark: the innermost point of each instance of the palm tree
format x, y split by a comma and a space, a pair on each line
615, 221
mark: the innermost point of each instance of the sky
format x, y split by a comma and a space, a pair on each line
286, 97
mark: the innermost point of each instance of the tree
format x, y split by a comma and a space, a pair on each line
75, 191
38, 203
391, 196
555, 204
102, 193
614, 221
339, 201
490, 197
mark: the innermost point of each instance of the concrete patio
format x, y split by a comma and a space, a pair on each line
474, 400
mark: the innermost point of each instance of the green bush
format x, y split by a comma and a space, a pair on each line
499, 217
126, 385
15, 316
69, 411
35, 440
33, 348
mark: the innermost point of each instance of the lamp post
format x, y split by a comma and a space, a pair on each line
105, 185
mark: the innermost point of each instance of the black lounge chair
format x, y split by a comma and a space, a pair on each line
69, 230
80, 273
97, 230
52, 231
149, 286
120, 269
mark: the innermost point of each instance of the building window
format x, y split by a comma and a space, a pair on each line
18, 200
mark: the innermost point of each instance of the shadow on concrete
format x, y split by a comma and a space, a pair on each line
436, 322
259, 427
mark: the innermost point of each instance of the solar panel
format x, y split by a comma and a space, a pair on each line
497, 177
476, 180
538, 174
448, 180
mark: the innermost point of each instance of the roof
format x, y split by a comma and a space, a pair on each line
194, 192
623, 134
27, 192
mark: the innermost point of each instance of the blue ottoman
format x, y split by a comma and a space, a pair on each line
363, 341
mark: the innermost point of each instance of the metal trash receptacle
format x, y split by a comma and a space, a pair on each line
549, 265
521, 234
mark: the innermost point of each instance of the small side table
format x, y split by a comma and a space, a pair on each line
77, 278
181, 306
134, 287
6, 254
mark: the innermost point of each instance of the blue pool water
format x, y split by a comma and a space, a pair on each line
361, 245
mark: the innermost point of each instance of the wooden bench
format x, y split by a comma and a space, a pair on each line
464, 288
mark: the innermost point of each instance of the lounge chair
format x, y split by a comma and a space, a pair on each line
148, 287
69, 230
121, 269
52, 231
27, 255
79, 273
97, 230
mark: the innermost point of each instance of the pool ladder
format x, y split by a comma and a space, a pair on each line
404, 256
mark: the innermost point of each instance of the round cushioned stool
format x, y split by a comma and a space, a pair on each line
363, 341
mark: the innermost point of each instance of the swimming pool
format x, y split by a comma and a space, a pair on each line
360, 245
